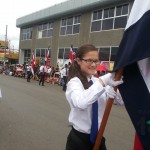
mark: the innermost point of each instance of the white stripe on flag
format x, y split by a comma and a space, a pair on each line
138, 10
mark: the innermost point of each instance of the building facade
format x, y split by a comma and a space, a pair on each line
73, 22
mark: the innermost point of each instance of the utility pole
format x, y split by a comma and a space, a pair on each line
5, 45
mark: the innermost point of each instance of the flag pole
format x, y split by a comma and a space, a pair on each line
106, 114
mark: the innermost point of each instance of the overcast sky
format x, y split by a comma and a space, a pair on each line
12, 9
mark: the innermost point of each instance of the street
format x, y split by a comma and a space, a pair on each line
34, 117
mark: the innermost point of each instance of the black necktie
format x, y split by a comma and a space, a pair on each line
94, 126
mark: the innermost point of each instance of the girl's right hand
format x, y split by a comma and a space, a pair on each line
108, 79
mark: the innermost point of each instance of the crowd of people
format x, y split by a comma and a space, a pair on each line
40, 73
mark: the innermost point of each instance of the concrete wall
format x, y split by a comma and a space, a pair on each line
102, 38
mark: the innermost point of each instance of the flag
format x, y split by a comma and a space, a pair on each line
46, 57
135, 47
71, 54
32, 62
137, 143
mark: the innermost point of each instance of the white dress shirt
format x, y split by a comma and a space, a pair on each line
80, 101
28, 68
43, 67
64, 72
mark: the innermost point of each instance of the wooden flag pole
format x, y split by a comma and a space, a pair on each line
106, 114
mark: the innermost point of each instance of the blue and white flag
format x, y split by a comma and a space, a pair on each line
133, 56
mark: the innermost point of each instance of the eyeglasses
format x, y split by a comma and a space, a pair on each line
91, 61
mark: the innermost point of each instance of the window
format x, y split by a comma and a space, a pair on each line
121, 16
107, 53
108, 13
41, 53
120, 22
63, 31
76, 29
104, 53
122, 10
110, 18
38, 54
45, 30
70, 21
26, 34
114, 51
27, 54
69, 30
70, 25
107, 24
96, 26
63, 53
66, 53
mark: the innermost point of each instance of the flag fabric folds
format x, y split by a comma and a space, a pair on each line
135, 46
137, 143
46, 58
32, 62
71, 54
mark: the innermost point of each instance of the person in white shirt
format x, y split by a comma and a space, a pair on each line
81, 95
29, 73
43, 71
65, 76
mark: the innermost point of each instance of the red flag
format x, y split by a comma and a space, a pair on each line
32, 62
71, 54
46, 58
137, 143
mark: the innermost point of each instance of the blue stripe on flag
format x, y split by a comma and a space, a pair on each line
137, 102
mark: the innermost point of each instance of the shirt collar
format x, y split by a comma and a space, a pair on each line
90, 78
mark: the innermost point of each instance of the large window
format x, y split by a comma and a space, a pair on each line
107, 53
45, 30
41, 53
63, 54
27, 54
70, 25
110, 18
26, 34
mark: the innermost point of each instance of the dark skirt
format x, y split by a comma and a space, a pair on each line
81, 141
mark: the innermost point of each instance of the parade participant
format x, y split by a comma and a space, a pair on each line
28, 72
65, 76
84, 91
42, 74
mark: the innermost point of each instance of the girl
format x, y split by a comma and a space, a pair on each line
83, 91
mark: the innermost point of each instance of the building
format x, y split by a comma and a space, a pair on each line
7, 55
73, 22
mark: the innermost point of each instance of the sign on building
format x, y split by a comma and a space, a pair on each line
4, 44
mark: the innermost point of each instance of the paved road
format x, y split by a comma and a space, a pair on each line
33, 117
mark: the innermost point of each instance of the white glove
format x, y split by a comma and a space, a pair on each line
110, 92
108, 79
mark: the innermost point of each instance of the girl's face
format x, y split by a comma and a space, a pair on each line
89, 63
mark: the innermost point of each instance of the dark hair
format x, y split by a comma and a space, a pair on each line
75, 70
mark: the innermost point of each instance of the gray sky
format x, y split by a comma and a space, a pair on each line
12, 9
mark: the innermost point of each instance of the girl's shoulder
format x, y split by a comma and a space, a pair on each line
94, 78
74, 79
